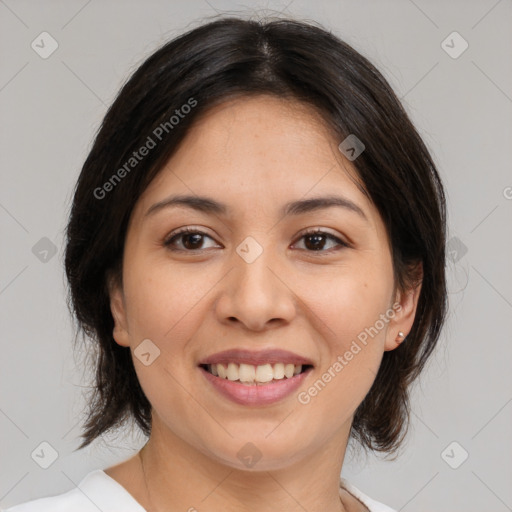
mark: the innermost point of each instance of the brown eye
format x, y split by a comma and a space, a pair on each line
317, 241
186, 240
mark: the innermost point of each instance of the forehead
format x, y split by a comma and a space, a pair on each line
262, 127
255, 142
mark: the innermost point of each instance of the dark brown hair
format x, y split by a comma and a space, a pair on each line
204, 67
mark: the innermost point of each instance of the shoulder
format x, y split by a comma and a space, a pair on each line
71, 500
371, 504
96, 491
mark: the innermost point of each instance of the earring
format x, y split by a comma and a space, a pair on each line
400, 337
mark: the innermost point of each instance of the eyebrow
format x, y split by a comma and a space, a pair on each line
299, 207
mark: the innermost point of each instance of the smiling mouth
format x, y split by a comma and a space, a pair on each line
255, 375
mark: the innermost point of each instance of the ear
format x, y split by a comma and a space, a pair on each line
118, 310
404, 306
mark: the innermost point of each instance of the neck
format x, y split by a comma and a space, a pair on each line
179, 476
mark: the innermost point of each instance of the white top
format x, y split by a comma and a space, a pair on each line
98, 491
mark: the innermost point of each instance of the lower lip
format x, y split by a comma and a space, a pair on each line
262, 394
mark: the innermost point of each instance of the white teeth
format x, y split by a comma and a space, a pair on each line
264, 373
288, 370
232, 371
279, 371
246, 372
221, 370
249, 373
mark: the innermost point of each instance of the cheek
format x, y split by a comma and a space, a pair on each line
164, 305
162, 301
346, 307
347, 300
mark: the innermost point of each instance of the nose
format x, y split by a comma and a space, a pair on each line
256, 295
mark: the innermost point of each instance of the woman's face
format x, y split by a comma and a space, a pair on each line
248, 278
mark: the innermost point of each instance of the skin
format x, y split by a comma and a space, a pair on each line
253, 154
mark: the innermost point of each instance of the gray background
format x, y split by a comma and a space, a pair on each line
50, 109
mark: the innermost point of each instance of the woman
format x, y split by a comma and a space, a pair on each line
256, 249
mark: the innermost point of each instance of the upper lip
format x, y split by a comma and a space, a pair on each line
261, 357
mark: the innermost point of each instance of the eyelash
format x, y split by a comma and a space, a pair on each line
169, 240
